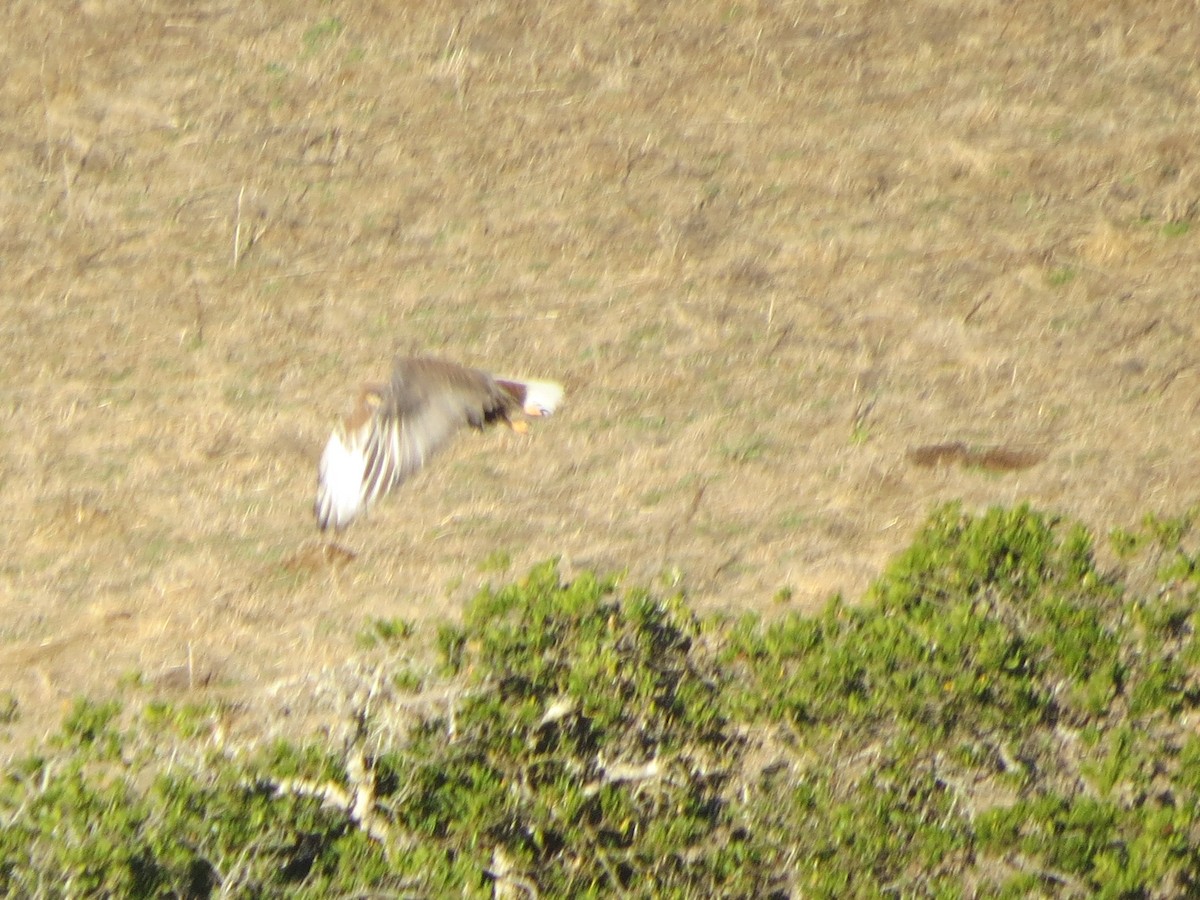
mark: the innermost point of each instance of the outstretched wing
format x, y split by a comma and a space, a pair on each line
396, 428
427, 402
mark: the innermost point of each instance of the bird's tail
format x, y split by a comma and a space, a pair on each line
537, 398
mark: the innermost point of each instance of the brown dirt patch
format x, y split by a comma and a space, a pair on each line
768, 248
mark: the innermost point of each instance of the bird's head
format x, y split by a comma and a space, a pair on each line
542, 398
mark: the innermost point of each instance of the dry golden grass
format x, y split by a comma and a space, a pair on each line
768, 248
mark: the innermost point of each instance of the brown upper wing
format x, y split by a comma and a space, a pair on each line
426, 401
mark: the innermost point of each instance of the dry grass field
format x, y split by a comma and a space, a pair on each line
771, 249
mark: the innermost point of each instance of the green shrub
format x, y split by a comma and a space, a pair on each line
1001, 689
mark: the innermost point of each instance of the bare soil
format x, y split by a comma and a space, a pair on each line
773, 250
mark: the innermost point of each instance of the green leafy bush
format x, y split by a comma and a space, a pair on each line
1000, 701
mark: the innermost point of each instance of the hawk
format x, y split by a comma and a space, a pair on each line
396, 427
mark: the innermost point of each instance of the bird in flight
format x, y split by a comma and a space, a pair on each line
396, 427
